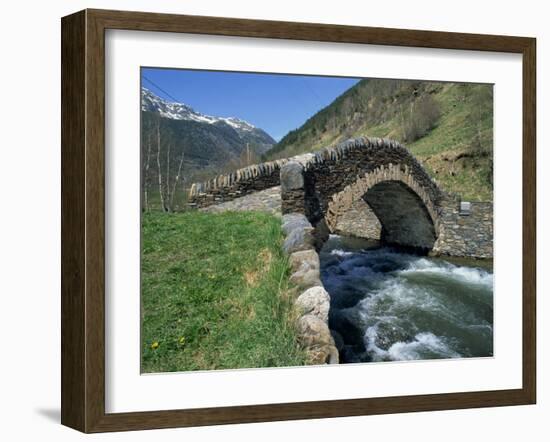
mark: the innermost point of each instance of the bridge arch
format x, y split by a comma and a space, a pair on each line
403, 208
382, 173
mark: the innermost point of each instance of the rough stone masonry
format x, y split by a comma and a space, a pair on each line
313, 302
390, 194
384, 178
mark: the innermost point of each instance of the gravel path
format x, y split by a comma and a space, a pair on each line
268, 200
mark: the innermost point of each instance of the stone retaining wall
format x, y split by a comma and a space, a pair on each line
459, 235
312, 302
465, 235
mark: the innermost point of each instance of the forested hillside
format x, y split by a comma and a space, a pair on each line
447, 126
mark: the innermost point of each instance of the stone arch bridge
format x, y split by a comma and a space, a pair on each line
382, 175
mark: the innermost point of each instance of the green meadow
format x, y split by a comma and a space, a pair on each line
215, 293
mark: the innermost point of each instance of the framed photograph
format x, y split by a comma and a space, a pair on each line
268, 220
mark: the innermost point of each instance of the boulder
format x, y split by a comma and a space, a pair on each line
304, 260
313, 332
326, 354
334, 355
305, 267
314, 301
292, 177
292, 221
299, 239
307, 279
388, 334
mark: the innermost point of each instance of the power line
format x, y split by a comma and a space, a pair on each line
160, 89
315, 95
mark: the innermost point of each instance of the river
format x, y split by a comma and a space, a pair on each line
387, 305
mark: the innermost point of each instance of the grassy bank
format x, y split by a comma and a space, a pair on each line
214, 293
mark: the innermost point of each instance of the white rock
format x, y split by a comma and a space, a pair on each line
314, 301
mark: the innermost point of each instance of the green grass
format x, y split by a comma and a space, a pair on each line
452, 135
215, 293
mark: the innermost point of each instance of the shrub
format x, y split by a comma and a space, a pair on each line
420, 119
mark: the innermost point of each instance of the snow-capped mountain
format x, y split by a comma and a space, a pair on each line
150, 102
208, 145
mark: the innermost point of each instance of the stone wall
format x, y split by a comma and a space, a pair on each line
382, 173
328, 170
359, 221
312, 301
459, 235
465, 235
333, 169
330, 185
228, 187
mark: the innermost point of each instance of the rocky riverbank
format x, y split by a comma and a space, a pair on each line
312, 302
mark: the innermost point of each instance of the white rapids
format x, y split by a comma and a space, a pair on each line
393, 306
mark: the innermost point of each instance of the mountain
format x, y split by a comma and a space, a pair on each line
257, 138
180, 146
447, 126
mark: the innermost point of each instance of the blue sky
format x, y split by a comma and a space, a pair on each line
276, 103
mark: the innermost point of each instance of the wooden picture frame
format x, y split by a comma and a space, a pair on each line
83, 220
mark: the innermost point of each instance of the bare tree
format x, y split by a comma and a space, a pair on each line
482, 107
422, 117
176, 179
161, 193
146, 180
167, 197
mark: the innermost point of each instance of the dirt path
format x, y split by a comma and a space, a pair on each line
268, 200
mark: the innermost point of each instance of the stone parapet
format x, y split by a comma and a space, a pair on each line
228, 187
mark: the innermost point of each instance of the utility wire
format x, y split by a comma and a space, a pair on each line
160, 89
314, 94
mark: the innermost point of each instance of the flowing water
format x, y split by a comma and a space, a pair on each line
387, 305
